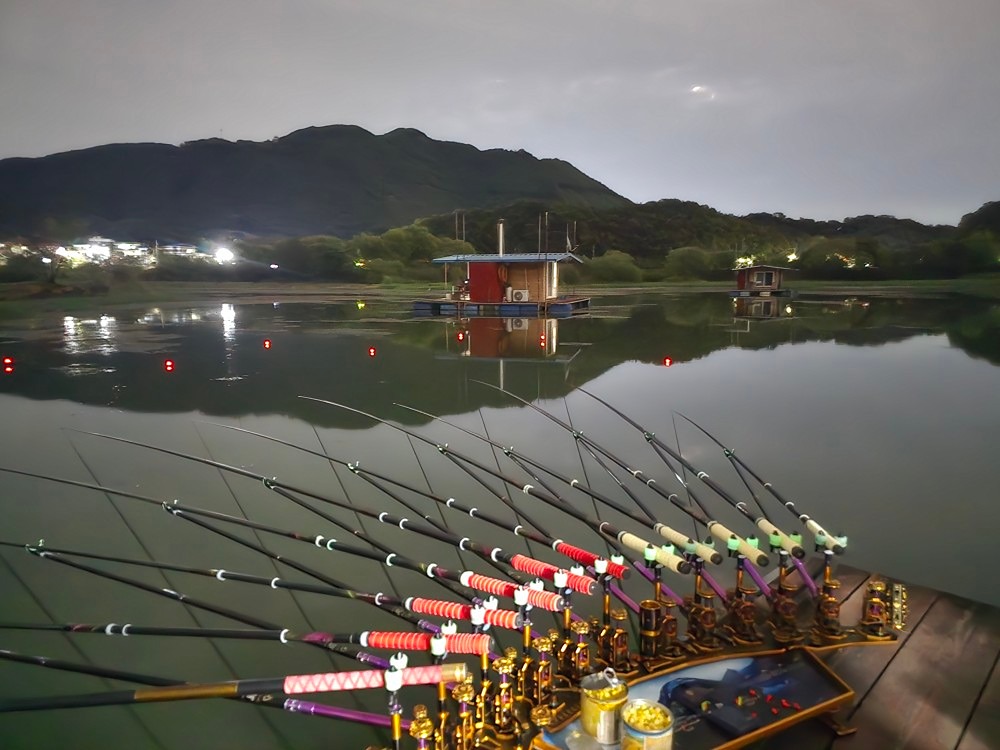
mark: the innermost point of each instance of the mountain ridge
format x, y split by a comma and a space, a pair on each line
336, 179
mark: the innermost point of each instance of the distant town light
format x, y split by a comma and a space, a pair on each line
361, 304
224, 255
793, 256
274, 266
46, 260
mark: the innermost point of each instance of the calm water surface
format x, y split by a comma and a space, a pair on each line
879, 417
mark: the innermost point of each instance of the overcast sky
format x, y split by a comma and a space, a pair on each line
816, 108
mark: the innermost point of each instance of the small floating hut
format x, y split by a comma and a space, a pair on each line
761, 281
509, 285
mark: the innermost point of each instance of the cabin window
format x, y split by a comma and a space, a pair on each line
763, 278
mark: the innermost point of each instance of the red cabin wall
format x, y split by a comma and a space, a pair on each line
484, 282
741, 279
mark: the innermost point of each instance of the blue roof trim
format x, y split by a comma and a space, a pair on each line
509, 258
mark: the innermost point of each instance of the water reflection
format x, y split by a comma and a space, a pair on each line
503, 338
223, 368
93, 335
854, 408
762, 308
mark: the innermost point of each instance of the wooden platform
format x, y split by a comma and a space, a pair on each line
937, 689
553, 308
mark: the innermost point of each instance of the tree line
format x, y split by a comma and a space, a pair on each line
661, 241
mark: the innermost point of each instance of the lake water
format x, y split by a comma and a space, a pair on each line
879, 417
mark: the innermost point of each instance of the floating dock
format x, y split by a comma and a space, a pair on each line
562, 307
937, 689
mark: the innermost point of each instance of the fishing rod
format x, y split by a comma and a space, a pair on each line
482, 482
494, 555
520, 563
405, 609
664, 557
433, 528
452, 643
328, 682
777, 537
679, 540
649, 568
577, 554
718, 530
178, 596
836, 544
283, 490
265, 700
430, 530
525, 464
735, 544
537, 598
699, 517
330, 581
566, 577
607, 469
542, 599
615, 569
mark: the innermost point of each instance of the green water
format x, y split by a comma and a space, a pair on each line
879, 417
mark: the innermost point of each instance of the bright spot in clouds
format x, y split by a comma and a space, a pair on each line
702, 92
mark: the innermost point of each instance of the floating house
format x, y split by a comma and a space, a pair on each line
761, 281
509, 285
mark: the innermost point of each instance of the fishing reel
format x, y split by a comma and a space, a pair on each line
740, 623
883, 611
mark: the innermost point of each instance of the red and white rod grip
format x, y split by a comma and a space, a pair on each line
584, 557
332, 682
459, 643
501, 618
539, 569
541, 599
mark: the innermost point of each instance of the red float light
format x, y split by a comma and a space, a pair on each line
371, 351
460, 336
667, 361
8, 365
168, 365
267, 343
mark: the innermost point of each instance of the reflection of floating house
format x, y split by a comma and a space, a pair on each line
506, 338
761, 281
506, 285
761, 308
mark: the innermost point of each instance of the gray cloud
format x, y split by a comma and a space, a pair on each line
809, 107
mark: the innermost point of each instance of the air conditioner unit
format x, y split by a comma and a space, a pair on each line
519, 295
518, 324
